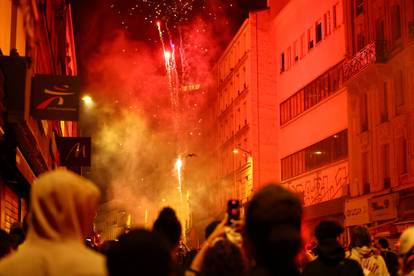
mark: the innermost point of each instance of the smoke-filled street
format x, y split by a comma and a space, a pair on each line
195, 137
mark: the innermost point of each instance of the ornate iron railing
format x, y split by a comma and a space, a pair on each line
374, 52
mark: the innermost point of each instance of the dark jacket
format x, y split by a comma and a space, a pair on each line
391, 260
331, 261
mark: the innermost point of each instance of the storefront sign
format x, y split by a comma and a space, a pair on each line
55, 97
356, 211
383, 207
74, 151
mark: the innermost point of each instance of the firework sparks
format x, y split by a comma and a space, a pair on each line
178, 166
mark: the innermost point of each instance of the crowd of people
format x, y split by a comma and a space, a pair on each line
267, 241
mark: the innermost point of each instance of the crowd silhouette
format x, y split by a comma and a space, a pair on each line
267, 241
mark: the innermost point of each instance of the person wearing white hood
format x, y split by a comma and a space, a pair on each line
63, 206
407, 252
361, 251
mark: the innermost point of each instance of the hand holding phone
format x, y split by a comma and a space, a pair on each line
233, 210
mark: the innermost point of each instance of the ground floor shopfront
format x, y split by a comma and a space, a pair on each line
386, 214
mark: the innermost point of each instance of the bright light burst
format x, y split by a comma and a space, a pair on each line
178, 166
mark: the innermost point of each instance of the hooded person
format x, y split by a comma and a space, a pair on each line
331, 256
63, 206
407, 252
361, 251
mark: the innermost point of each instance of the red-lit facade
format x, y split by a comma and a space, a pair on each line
41, 31
244, 117
337, 111
379, 74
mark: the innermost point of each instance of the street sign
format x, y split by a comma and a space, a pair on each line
55, 97
74, 151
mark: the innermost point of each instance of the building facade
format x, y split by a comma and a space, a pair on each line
312, 106
379, 74
36, 37
244, 84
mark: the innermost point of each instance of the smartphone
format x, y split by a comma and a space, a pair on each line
233, 210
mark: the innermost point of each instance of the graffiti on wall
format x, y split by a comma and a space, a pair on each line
322, 185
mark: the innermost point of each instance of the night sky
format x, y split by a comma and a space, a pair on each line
97, 21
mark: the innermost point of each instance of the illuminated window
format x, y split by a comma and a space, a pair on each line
325, 152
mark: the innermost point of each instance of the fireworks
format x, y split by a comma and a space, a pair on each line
178, 166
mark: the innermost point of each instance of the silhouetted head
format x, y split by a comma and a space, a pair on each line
360, 237
17, 235
210, 228
5, 243
328, 230
383, 243
223, 259
168, 225
273, 228
139, 252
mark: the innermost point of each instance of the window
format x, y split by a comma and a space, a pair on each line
288, 58
244, 78
282, 62
409, 9
395, 22
319, 89
366, 187
327, 23
327, 151
383, 98
364, 112
302, 46
360, 41
359, 7
295, 51
399, 92
310, 38
385, 159
318, 28
335, 11
402, 156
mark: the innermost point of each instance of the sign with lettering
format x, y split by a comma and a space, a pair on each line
383, 207
356, 211
55, 97
74, 151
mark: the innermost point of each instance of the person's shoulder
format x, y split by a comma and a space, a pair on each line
12, 264
313, 267
353, 267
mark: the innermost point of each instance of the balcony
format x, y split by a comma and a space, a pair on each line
373, 53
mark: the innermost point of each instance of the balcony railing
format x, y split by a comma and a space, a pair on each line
374, 52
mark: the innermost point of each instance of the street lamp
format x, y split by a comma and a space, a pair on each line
237, 150
87, 100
